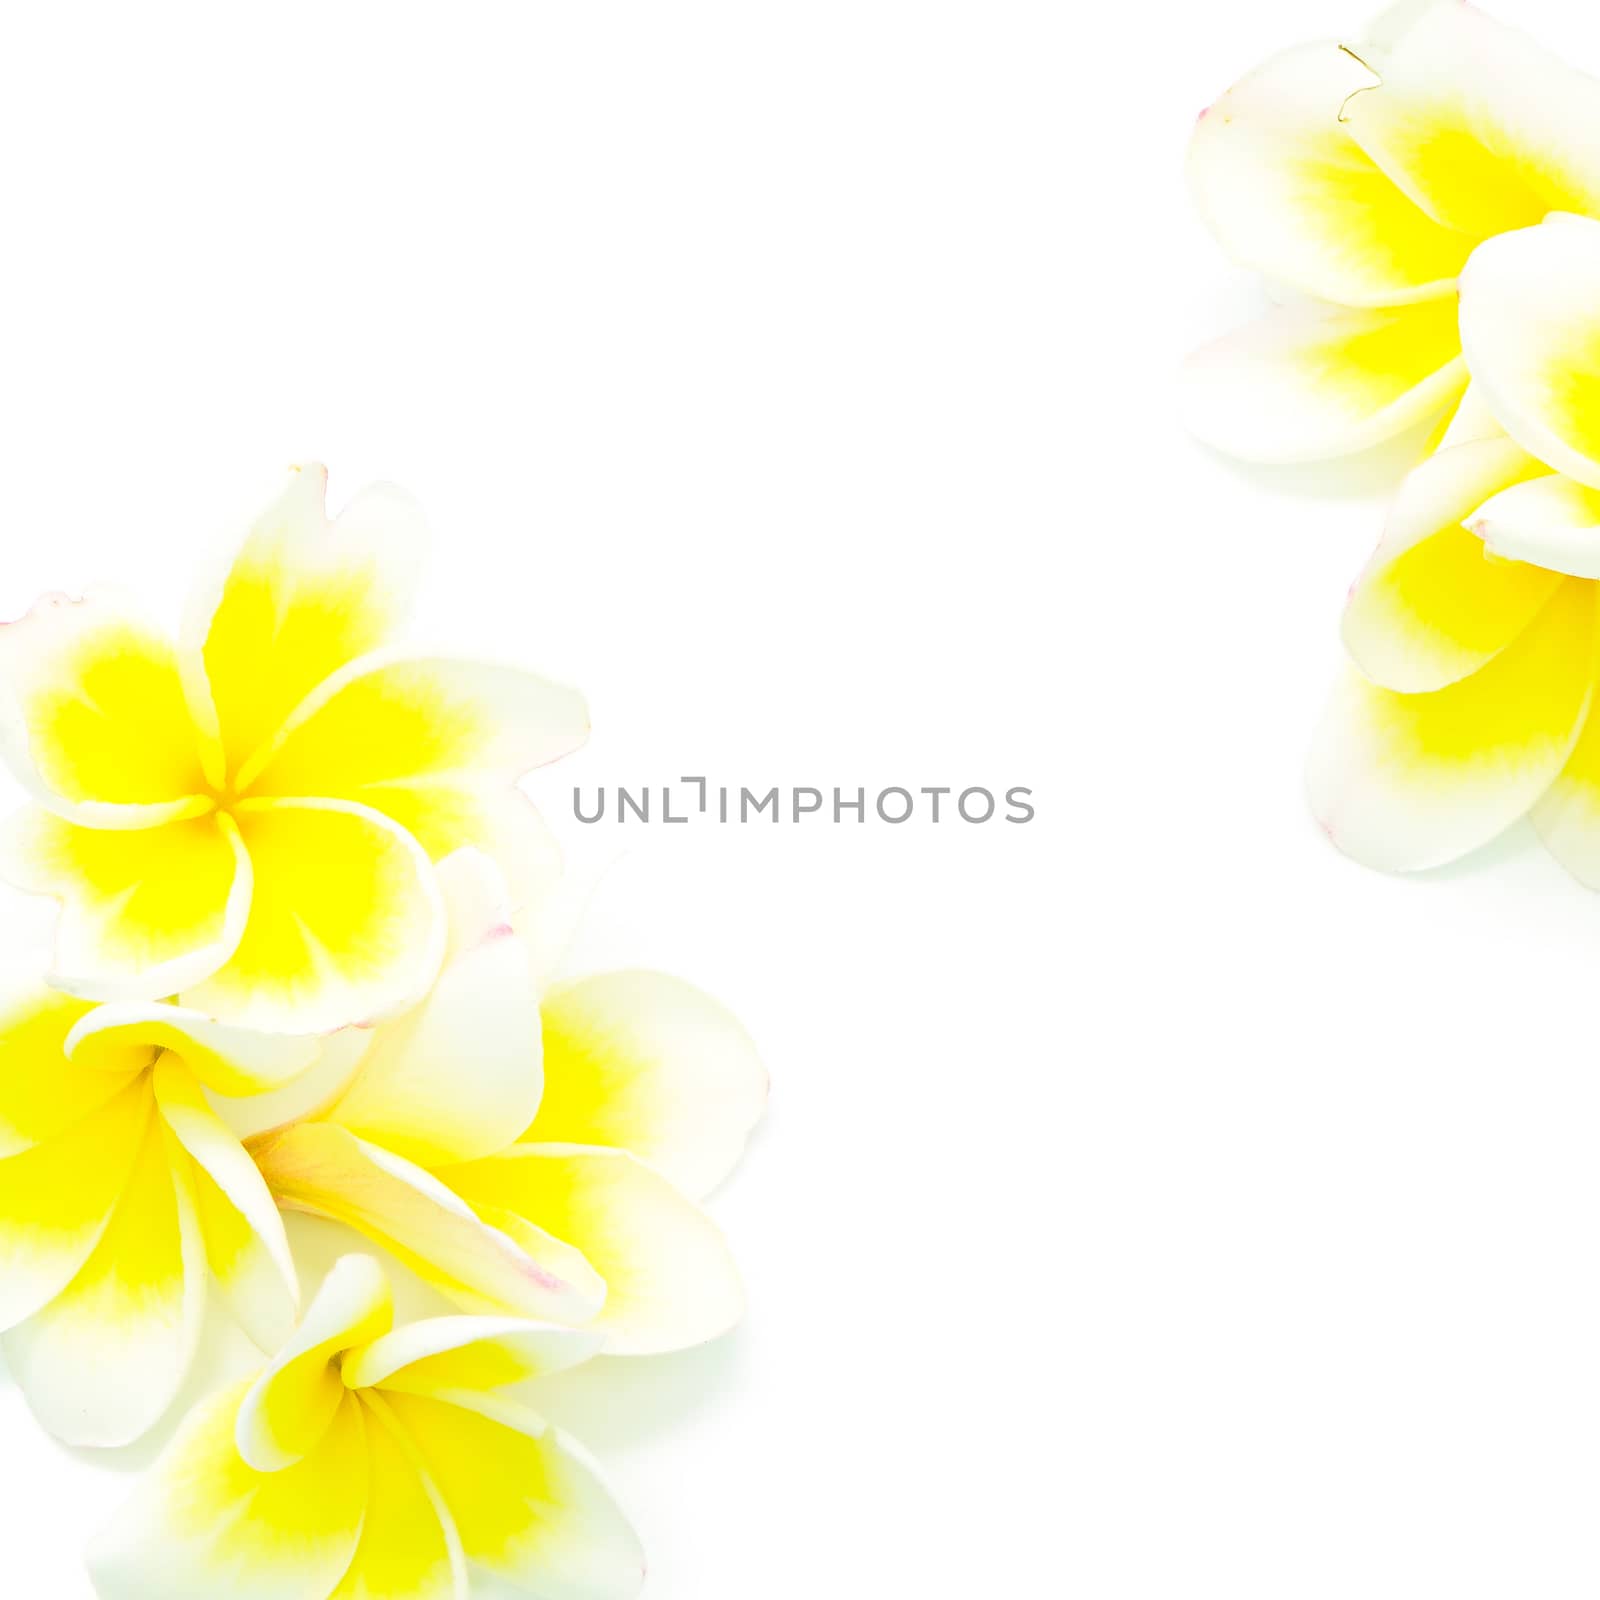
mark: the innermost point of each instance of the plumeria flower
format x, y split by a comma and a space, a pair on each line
539, 1157
122, 1194
372, 1461
1475, 625
246, 817
1360, 178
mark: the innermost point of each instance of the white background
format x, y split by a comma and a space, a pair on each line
1153, 1203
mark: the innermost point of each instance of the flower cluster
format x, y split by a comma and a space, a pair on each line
297, 968
1430, 198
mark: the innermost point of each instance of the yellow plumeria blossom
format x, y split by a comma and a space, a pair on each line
370, 1462
121, 1194
1360, 178
245, 816
1474, 628
541, 1159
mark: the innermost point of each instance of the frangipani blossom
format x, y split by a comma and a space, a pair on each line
246, 816
1361, 179
540, 1159
121, 1194
369, 1462
1475, 626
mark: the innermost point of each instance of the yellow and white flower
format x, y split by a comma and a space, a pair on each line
540, 1159
1476, 627
371, 1461
246, 816
1360, 179
122, 1193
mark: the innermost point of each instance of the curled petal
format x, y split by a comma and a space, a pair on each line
459, 1075
92, 717
1405, 782
324, 1169
144, 912
1530, 326
346, 924
1430, 609
204, 1524
1552, 522
644, 1062
670, 1280
1481, 126
528, 1504
1290, 192
288, 1409
103, 1360
301, 597
245, 1266
240, 1224
232, 1061
445, 1355
1308, 382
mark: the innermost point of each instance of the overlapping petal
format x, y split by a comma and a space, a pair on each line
1483, 128
438, 746
345, 923
528, 1504
1430, 609
242, 1232
409, 1549
290, 1406
1290, 192
230, 1060
643, 1062
324, 1169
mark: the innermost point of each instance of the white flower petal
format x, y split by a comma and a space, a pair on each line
1308, 382
1430, 608
1290, 193
295, 599
644, 1062
670, 1280
1405, 782
459, 1075
103, 1360
1530, 326
527, 1502
443, 1355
